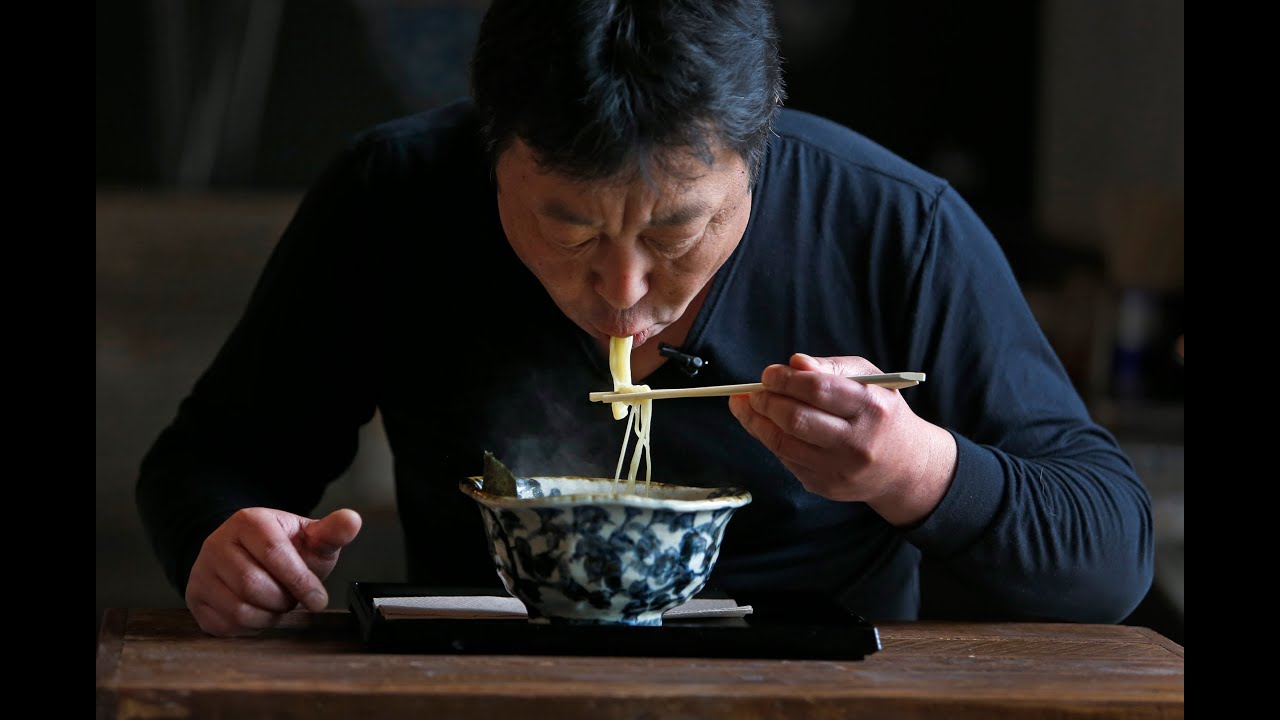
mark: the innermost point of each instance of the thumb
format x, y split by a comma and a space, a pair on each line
326, 536
844, 366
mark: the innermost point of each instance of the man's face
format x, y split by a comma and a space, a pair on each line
624, 258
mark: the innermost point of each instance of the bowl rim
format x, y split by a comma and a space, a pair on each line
472, 485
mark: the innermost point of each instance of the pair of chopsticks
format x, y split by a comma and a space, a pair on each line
894, 381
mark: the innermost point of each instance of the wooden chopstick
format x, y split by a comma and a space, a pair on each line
894, 381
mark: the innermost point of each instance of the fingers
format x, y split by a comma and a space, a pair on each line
221, 612
810, 414
327, 536
229, 594
817, 427
844, 440
271, 546
250, 583
789, 448
262, 563
823, 384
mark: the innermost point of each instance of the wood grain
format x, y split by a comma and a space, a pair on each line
157, 663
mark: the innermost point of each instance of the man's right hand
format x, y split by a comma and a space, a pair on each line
262, 563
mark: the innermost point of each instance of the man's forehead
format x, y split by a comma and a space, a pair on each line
680, 190
674, 169
679, 212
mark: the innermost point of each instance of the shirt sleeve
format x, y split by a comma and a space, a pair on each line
1045, 516
276, 416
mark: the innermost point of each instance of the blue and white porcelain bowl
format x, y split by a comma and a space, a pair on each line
585, 551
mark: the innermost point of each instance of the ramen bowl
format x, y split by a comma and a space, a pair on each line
580, 550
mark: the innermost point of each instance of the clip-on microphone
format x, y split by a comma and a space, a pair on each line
690, 364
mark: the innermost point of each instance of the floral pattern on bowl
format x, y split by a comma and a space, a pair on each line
588, 551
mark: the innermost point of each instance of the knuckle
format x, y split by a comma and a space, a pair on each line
856, 365
210, 621
249, 516
816, 388
798, 421
775, 438
246, 616
780, 410
246, 580
786, 380
880, 404
286, 566
212, 625
277, 551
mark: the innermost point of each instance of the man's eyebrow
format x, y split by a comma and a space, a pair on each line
556, 211
681, 215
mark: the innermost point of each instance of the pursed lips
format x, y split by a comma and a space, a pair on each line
639, 336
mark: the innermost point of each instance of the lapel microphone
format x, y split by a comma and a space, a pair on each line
690, 364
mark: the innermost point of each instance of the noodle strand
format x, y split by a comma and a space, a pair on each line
620, 369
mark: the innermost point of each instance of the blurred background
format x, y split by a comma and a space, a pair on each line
1061, 122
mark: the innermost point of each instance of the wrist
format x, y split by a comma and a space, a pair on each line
919, 491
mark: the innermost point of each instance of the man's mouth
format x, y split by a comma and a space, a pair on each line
638, 336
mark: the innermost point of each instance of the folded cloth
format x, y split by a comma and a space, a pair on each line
495, 607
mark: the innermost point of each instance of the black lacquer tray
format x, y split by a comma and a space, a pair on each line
781, 626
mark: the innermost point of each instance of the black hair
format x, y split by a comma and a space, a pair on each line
599, 87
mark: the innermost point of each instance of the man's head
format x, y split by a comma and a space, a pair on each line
624, 138
596, 87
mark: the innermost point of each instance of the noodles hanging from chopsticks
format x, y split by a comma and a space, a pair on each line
620, 369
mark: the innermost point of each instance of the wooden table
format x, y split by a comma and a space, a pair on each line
156, 663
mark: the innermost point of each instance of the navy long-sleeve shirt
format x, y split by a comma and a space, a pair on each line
393, 289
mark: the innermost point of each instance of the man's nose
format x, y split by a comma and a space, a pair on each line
622, 275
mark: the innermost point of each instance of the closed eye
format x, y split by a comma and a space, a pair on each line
576, 244
674, 247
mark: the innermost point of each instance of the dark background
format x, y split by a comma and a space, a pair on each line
1060, 122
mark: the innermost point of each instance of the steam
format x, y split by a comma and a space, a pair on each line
545, 425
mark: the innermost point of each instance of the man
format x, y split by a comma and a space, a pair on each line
624, 169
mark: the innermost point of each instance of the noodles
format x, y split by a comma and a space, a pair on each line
620, 369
